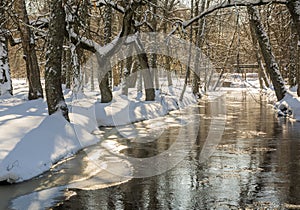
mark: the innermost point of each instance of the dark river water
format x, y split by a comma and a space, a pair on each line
255, 165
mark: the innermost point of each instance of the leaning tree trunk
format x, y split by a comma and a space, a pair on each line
5, 80
28, 44
265, 46
261, 71
54, 94
293, 7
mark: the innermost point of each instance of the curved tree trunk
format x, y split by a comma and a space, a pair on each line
28, 43
265, 46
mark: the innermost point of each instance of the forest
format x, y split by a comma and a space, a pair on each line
51, 40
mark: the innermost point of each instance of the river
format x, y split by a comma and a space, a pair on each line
254, 165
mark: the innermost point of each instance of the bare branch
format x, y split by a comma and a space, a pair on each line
230, 3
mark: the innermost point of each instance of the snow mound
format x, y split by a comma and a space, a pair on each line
38, 150
289, 106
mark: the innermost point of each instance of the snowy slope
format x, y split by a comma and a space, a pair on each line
31, 141
53, 140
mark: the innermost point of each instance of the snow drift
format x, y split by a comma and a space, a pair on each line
53, 140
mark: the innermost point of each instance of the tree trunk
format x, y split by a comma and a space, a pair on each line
5, 79
261, 71
199, 41
154, 54
54, 94
28, 43
293, 60
105, 81
188, 71
68, 66
166, 15
293, 7
265, 46
145, 68
127, 71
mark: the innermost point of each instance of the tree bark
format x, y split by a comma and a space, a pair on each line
103, 79
54, 94
293, 57
265, 46
293, 7
5, 80
28, 44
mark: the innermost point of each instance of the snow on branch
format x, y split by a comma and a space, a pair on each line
106, 50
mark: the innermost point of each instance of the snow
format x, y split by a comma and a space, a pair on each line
39, 149
289, 106
124, 110
31, 142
